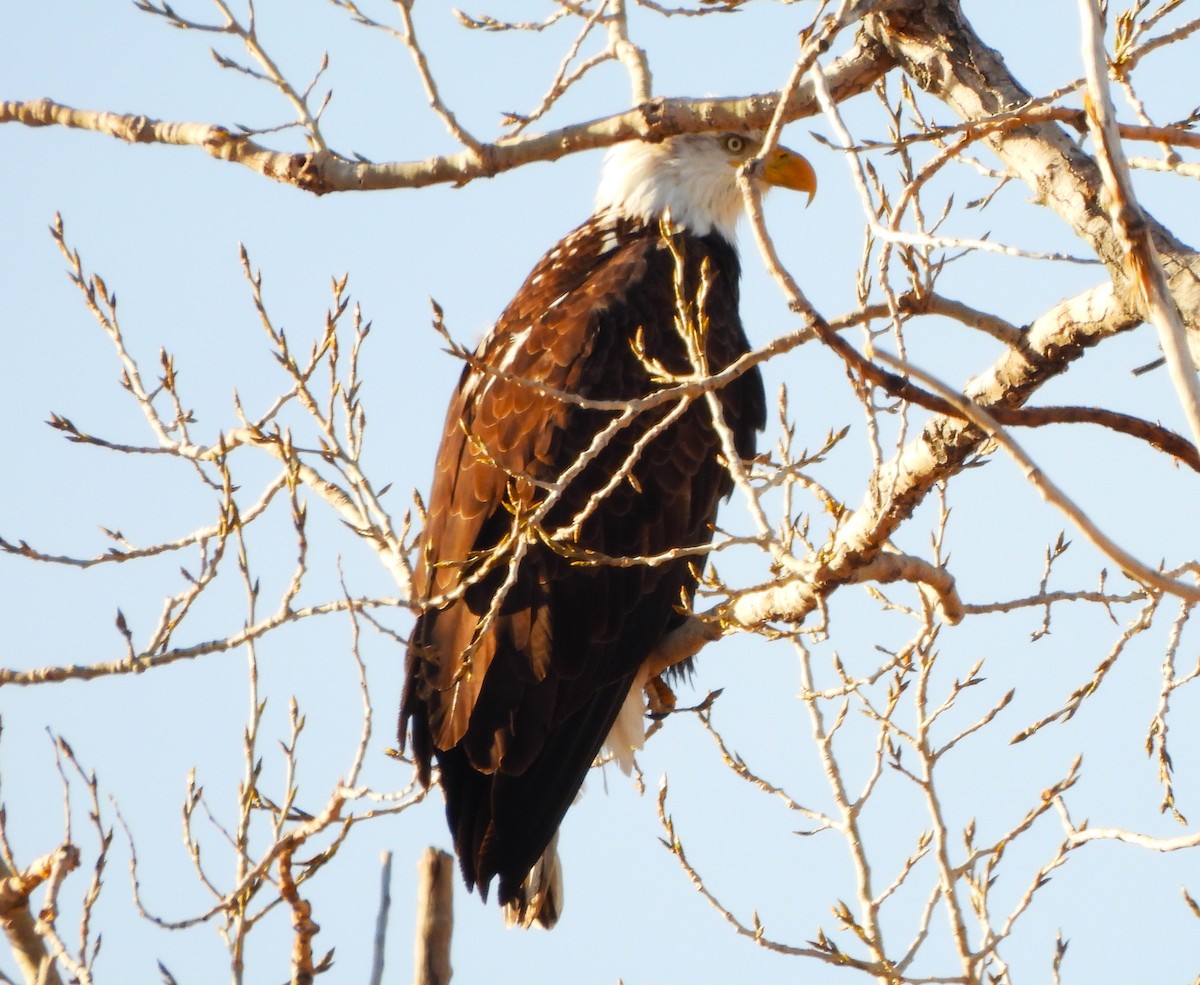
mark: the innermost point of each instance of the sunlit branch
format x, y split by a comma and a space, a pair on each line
140, 662
1130, 223
980, 417
322, 172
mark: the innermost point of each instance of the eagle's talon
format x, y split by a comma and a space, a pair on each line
525, 638
660, 699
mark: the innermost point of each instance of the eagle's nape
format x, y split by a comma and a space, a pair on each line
517, 676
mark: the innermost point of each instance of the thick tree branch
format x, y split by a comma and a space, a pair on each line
16, 919
939, 49
1055, 340
1127, 562
324, 171
1129, 222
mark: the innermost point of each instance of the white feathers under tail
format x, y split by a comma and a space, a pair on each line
627, 736
541, 899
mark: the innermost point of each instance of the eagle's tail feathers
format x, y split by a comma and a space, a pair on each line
540, 898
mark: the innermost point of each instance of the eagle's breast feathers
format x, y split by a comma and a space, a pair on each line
561, 489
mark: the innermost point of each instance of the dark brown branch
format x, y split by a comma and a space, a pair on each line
1164, 439
303, 969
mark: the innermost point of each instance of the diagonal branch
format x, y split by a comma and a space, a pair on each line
16, 920
1130, 222
936, 46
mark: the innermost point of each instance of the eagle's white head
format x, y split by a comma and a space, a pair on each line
694, 176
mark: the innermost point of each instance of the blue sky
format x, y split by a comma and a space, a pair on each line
163, 226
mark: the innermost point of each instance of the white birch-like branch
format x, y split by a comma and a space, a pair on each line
321, 172
1131, 224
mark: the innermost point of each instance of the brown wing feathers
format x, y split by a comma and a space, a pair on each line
513, 694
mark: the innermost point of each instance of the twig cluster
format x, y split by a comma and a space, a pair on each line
887, 727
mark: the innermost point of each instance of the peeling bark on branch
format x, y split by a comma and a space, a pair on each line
1055, 340
28, 947
303, 927
939, 49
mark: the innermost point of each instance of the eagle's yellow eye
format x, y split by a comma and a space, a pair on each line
734, 144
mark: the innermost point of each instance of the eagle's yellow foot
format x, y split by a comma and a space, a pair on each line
660, 699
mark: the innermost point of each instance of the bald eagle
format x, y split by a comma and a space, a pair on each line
540, 575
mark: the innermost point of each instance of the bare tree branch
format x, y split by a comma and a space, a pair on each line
321, 172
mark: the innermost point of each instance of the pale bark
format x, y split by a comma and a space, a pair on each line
321, 172
936, 46
28, 947
435, 918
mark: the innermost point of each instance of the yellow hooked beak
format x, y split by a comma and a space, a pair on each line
786, 169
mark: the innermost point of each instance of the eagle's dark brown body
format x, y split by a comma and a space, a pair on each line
524, 655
